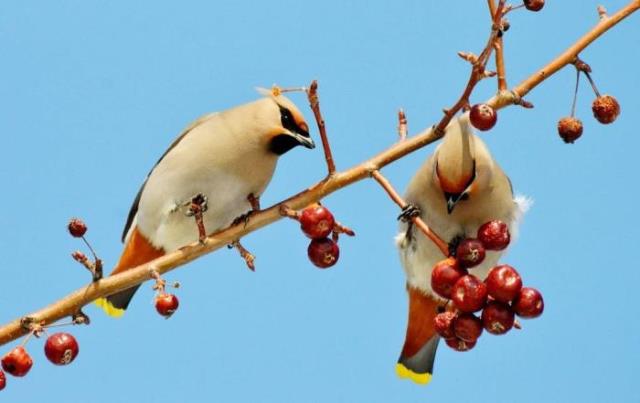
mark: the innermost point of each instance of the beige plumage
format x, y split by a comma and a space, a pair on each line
224, 156
456, 190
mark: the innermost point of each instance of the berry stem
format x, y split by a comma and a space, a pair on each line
287, 211
575, 94
593, 84
386, 185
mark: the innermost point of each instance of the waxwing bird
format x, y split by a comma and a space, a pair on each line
227, 158
458, 188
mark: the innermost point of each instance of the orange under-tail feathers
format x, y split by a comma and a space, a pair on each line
138, 250
421, 341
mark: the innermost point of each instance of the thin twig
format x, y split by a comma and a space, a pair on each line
70, 304
402, 125
499, 49
397, 199
314, 102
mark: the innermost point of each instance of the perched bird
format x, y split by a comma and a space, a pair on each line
228, 158
458, 188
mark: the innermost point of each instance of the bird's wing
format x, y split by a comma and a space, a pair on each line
134, 206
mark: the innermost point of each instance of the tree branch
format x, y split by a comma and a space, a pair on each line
72, 303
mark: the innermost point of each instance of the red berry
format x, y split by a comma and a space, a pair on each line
503, 283
470, 252
166, 304
570, 129
17, 362
467, 327
323, 252
3, 380
443, 323
483, 117
459, 344
534, 5
529, 303
316, 221
494, 235
61, 348
77, 228
606, 109
469, 294
497, 318
444, 275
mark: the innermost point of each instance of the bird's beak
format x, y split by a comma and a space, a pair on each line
304, 140
452, 200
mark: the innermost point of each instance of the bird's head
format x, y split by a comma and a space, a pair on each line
456, 170
285, 125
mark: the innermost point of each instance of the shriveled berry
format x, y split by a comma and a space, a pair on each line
467, 327
497, 318
460, 345
79, 256
569, 129
469, 294
323, 252
77, 228
529, 303
606, 109
534, 5
443, 323
61, 348
444, 275
3, 380
494, 235
470, 252
503, 283
17, 362
316, 221
483, 117
166, 304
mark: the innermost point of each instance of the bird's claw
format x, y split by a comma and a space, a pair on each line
408, 212
243, 218
197, 205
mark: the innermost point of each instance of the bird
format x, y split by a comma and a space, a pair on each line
225, 158
456, 190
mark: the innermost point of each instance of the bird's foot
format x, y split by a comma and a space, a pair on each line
197, 206
255, 207
408, 212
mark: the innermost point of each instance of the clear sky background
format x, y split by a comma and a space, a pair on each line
92, 92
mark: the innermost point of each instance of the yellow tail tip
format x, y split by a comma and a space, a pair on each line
404, 372
108, 308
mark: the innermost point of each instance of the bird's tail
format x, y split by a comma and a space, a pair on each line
421, 342
138, 250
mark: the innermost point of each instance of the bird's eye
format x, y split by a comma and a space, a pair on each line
287, 120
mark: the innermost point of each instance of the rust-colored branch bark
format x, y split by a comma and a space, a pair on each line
499, 49
397, 199
71, 303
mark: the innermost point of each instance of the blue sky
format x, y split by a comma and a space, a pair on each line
93, 92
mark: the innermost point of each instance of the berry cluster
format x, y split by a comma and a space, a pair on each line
605, 108
500, 296
317, 223
60, 349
